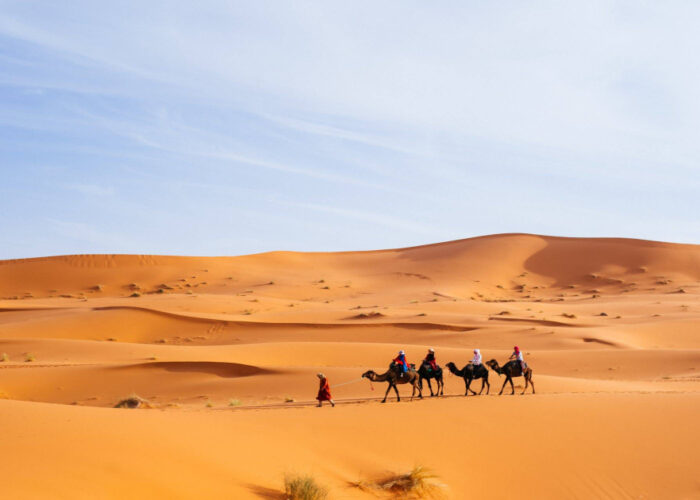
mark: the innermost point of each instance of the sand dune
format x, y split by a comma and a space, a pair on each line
226, 349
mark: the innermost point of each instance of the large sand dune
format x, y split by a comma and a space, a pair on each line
611, 328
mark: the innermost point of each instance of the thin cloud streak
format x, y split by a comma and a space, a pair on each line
442, 120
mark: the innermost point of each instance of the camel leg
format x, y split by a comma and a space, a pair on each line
396, 390
470, 386
527, 382
430, 386
420, 392
441, 386
482, 386
387, 392
504, 386
512, 387
466, 386
532, 384
488, 386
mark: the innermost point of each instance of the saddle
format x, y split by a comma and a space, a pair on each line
429, 367
399, 371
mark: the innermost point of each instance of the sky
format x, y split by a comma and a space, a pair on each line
231, 127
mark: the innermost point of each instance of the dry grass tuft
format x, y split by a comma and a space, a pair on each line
29, 358
569, 315
4, 357
416, 484
297, 487
133, 401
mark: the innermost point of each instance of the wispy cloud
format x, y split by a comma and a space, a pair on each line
421, 118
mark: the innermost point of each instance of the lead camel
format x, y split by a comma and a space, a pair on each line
390, 376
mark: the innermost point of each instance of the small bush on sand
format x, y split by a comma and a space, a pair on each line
569, 315
135, 294
133, 401
234, 402
29, 358
4, 357
298, 487
418, 483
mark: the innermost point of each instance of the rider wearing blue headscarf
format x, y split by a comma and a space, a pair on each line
401, 361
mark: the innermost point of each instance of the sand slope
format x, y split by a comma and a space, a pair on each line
610, 326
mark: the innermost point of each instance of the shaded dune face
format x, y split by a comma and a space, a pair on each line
226, 370
609, 326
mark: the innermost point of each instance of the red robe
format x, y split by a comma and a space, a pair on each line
324, 391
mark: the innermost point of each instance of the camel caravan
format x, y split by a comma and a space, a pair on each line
402, 372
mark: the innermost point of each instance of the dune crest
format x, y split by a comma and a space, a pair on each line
223, 351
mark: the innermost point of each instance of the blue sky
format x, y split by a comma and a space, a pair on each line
224, 127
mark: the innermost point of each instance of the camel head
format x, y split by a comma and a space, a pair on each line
370, 374
493, 364
452, 367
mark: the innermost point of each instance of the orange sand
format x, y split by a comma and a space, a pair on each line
615, 414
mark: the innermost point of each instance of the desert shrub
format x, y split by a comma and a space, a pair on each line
297, 487
415, 484
133, 401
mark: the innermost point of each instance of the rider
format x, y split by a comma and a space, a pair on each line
430, 360
519, 356
401, 363
476, 360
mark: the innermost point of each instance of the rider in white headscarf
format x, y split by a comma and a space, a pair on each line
476, 361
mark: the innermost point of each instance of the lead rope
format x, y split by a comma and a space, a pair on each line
349, 382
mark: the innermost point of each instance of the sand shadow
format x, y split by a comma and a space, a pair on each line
264, 492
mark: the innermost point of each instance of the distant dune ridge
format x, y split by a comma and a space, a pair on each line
225, 349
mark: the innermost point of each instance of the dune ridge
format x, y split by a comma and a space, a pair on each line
225, 349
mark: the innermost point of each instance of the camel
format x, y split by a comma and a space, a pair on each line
425, 373
512, 369
390, 376
469, 373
